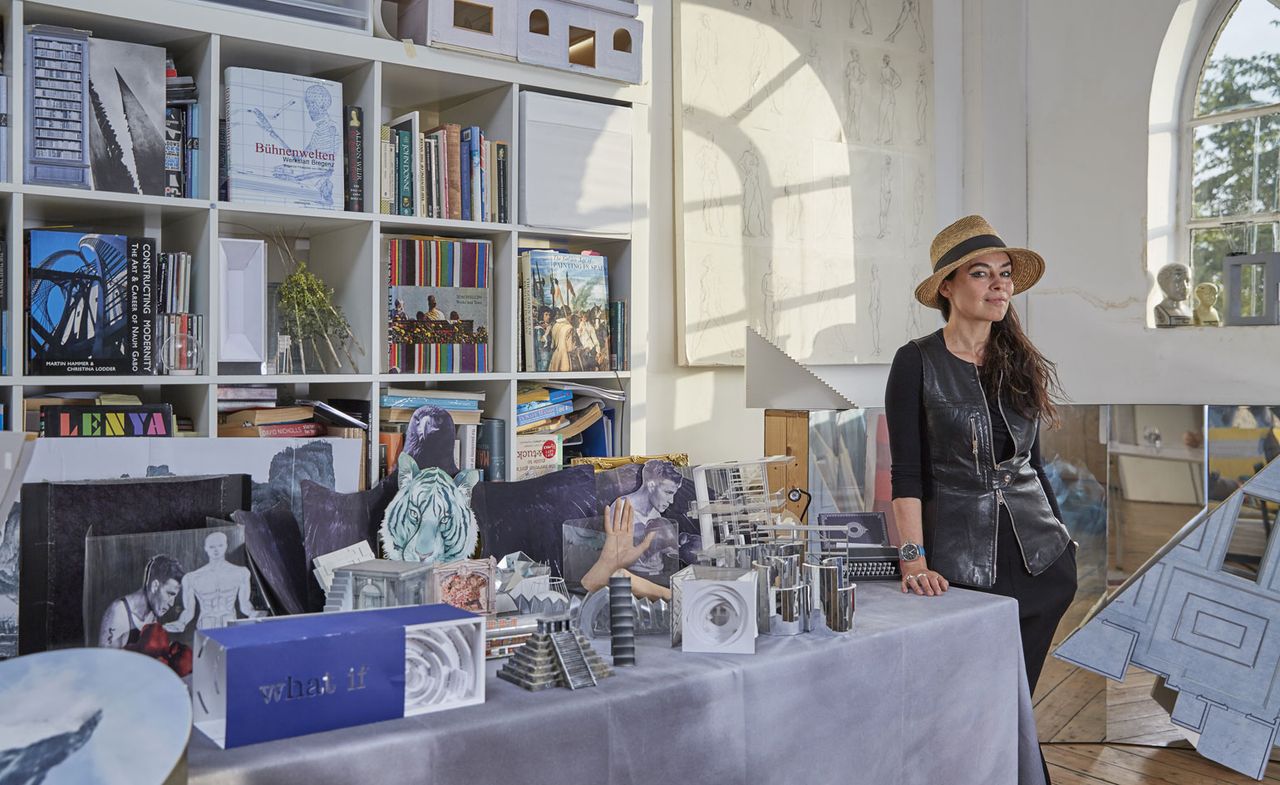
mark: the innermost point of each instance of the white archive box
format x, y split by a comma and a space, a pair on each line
575, 164
596, 37
480, 25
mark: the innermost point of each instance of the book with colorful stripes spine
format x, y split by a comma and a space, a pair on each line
439, 305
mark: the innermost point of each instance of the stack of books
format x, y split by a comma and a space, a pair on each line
277, 421
556, 420
398, 406
181, 134
439, 305
127, 292
450, 171
567, 318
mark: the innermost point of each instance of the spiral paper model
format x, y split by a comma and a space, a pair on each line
622, 622
439, 668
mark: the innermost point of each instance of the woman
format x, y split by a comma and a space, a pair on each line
964, 405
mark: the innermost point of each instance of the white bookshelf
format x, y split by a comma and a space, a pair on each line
385, 78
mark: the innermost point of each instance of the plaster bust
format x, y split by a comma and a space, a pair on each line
1206, 311
1174, 281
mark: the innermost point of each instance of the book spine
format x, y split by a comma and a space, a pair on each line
537, 406
175, 129
355, 159
144, 251
437, 175
133, 302
545, 413
477, 202
527, 315
386, 170
292, 430
404, 171
503, 205
464, 165
485, 191
424, 191
408, 402
191, 141
617, 336
453, 157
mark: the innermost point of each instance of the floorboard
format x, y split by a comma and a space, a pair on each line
1123, 764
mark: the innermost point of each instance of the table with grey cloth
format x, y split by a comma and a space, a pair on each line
925, 690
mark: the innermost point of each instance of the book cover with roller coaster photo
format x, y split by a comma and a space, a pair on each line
77, 303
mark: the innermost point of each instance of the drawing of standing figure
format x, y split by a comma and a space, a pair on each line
786, 7
859, 8
712, 203
910, 12
889, 84
922, 103
795, 205
755, 68
877, 310
815, 13
753, 212
854, 77
917, 208
706, 61
886, 196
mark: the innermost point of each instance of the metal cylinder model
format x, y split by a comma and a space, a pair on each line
764, 595
822, 579
786, 570
792, 610
840, 608
622, 621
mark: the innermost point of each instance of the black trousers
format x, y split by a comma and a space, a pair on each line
1042, 599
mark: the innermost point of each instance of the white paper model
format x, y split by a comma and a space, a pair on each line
243, 307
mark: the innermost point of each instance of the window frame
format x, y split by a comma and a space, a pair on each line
1214, 24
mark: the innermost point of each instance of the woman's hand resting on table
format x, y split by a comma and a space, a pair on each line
918, 578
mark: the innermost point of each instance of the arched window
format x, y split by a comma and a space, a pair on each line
538, 22
621, 41
1231, 132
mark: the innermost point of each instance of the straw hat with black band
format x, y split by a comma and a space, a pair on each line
966, 240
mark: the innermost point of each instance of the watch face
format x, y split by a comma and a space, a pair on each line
909, 551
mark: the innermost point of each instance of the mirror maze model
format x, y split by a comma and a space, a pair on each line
1206, 620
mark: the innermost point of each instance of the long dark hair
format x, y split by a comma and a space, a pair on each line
1030, 379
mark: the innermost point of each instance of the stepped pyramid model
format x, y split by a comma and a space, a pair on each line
555, 656
1203, 614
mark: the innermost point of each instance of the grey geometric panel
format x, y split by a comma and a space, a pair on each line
1212, 633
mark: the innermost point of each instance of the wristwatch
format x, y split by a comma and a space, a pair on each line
910, 551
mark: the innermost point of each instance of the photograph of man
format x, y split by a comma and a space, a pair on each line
215, 589
433, 311
126, 617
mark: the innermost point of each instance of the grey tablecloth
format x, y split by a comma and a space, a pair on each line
925, 690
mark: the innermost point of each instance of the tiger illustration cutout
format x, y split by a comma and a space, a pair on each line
430, 519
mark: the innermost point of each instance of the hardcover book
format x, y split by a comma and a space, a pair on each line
355, 159
78, 302
440, 305
127, 129
143, 420
564, 312
284, 139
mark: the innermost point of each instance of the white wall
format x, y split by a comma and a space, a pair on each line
1055, 138
701, 411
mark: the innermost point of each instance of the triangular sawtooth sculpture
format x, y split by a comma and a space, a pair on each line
1211, 634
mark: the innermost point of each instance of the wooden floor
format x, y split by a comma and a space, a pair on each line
1119, 764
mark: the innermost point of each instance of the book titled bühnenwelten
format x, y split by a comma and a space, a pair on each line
284, 139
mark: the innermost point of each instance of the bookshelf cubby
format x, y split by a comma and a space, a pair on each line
386, 79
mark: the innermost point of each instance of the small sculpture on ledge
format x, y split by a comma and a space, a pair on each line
1206, 312
1174, 280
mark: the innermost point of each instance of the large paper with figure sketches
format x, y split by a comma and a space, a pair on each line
805, 176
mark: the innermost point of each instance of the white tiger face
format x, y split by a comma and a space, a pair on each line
430, 518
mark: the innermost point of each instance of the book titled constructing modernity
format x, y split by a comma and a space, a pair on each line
284, 139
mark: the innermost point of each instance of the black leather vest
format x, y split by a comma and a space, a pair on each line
961, 505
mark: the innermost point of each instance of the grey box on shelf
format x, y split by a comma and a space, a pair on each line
348, 14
